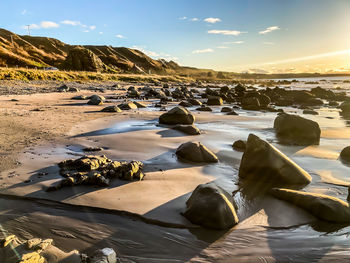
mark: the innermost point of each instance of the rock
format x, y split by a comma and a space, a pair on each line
195, 102
226, 109
214, 100
345, 154
211, 206
140, 105
111, 108
177, 115
196, 152
185, 104
92, 149
127, 106
106, 255
345, 107
188, 129
250, 103
204, 108
323, 207
239, 145
262, 161
96, 100
232, 113
296, 130
81, 97
311, 112
63, 88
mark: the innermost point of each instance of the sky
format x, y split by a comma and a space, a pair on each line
260, 36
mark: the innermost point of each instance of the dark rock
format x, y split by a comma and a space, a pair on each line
112, 108
296, 130
185, 104
226, 109
96, 100
239, 145
140, 105
188, 129
204, 108
177, 115
196, 152
92, 149
81, 97
345, 154
263, 162
311, 112
211, 206
127, 106
214, 100
195, 102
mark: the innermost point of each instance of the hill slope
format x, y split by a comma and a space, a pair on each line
30, 51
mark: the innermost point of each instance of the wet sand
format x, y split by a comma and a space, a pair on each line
269, 230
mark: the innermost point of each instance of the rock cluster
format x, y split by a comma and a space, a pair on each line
96, 170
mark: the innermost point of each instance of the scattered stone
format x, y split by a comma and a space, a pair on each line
226, 109
232, 113
112, 108
311, 112
188, 129
296, 130
214, 100
196, 152
96, 100
128, 106
177, 115
105, 255
140, 105
239, 145
211, 206
323, 207
185, 104
195, 102
204, 108
263, 162
93, 149
80, 97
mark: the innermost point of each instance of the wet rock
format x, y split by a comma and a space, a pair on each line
214, 100
204, 108
127, 106
345, 154
226, 109
80, 97
92, 149
239, 145
188, 129
185, 104
323, 207
96, 100
63, 88
296, 130
140, 105
345, 107
196, 152
232, 113
211, 206
195, 102
250, 103
106, 255
311, 112
177, 115
111, 108
262, 161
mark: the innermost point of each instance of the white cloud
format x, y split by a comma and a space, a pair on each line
24, 12
183, 18
234, 42
226, 32
92, 27
49, 24
212, 20
222, 47
199, 51
268, 43
195, 19
31, 26
71, 23
100, 33
119, 36
269, 30
86, 31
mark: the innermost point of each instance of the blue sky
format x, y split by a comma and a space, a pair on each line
230, 35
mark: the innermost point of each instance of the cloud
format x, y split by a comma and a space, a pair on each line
269, 30
212, 20
119, 36
71, 23
269, 43
92, 27
24, 12
234, 42
199, 51
183, 18
31, 26
226, 32
49, 24
86, 31
222, 47
195, 19
258, 71
100, 33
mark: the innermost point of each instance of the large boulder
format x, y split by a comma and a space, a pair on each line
196, 152
296, 130
323, 207
127, 106
345, 107
188, 129
177, 115
211, 206
262, 161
